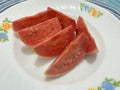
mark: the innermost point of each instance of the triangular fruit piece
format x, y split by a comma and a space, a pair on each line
39, 32
31, 20
72, 55
81, 27
63, 18
28, 21
56, 43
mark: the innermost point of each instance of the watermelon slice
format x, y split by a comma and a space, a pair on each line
39, 32
70, 57
64, 19
81, 27
31, 20
41, 17
56, 43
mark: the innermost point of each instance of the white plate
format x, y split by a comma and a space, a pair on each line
21, 69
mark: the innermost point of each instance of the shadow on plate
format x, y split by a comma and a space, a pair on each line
49, 79
91, 58
27, 50
41, 61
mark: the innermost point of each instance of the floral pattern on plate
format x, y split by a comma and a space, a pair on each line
107, 84
4, 28
91, 10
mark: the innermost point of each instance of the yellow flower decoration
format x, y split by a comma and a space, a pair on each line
94, 12
6, 24
91, 10
92, 89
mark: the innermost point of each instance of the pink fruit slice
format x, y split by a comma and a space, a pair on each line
64, 19
28, 21
31, 20
81, 27
70, 57
56, 43
39, 32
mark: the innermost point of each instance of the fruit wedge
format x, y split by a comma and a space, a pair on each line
72, 55
28, 21
31, 20
39, 32
56, 43
81, 27
63, 18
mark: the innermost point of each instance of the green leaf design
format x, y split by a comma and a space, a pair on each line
6, 20
3, 40
109, 79
99, 14
1, 29
5, 31
90, 9
81, 6
99, 88
116, 83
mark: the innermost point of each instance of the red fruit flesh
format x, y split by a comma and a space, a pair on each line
39, 32
64, 19
70, 57
31, 20
81, 27
41, 17
56, 43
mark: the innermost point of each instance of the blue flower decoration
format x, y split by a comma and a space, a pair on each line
86, 8
107, 85
3, 36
